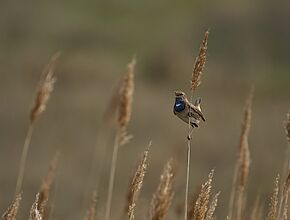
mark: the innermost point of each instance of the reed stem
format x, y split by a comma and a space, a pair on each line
112, 176
187, 178
23, 159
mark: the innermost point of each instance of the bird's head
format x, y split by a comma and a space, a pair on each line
179, 101
179, 94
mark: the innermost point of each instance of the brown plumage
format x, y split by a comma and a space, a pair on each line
186, 111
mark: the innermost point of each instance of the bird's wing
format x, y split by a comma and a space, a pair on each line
195, 109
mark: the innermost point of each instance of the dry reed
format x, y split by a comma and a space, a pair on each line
237, 200
136, 184
45, 188
285, 196
11, 212
272, 213
43, 93
199, 63
162, 198
256, 213
92, 212
212, 207
200, 207
45, 89
125, 103
195, 82
34, 211
122, 137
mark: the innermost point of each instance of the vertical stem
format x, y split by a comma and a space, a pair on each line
187, 178
96, 167
233, 193
23, 158
112, 177
188, 164
240, 203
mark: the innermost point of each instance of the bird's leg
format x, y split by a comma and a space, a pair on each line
189, 134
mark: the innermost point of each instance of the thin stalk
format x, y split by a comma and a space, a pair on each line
188, 166
187, 178
112, 176
23, 159
96, 167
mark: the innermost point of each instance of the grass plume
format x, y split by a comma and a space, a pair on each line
200, 207
92, 212
162, 198
11, 212
199, 63
243, 164
256, 213
212, 207
45, 88
125, 103
43, 93
195, 82
272, 213
122, 137
34, 211
45, 188
136, 184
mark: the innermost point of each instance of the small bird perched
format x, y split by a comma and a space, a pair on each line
186, 111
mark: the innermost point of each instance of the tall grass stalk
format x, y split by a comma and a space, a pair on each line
24, 158
195, 82
237, 198
122, 136
43, 93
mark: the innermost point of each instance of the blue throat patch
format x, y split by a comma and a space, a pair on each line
179, 105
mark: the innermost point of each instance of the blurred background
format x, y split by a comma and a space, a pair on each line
248, 44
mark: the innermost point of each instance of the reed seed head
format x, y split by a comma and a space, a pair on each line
212, 207
91, 214
11, 212
199, 63
45, 187
244, 152
201, 204
34, 211
136, 184
125, 102
45, 89
272, 213
162, 198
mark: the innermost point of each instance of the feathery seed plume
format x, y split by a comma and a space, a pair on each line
244, 154
11, 212
272, 214
201, 204
199, 63
91, 214
212, 206
45, 88
162, 198
125, 102
43, 194
136, 183
34, 211
256, 213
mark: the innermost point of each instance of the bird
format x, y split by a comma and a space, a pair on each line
186, 111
